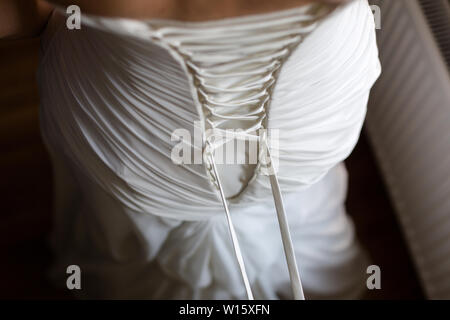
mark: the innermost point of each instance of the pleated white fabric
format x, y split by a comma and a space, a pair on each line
142, 226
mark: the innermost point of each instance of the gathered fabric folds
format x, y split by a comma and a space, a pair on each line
142, 226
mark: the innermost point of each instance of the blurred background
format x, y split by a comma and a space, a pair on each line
399, 191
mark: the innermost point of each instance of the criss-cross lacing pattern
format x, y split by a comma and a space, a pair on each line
233, 69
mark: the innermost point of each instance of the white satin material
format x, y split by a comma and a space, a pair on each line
113, 92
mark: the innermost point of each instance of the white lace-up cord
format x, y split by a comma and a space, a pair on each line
234, 240
296, 283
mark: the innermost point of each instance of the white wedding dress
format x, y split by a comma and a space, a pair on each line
140, 225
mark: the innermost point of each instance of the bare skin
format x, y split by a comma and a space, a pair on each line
22, 18
185, 10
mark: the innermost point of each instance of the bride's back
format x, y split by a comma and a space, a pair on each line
112, 94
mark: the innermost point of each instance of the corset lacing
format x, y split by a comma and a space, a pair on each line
233, 68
